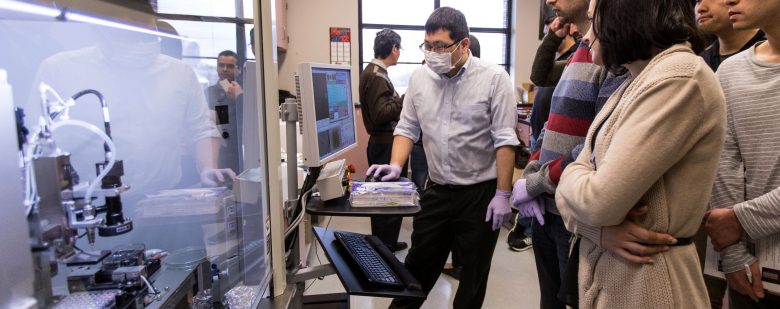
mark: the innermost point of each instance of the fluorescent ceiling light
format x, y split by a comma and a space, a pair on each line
30, 8
66, 15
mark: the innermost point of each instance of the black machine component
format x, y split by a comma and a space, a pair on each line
124, 270
21, 130
114, 177
368, 259
116, 223
126, 255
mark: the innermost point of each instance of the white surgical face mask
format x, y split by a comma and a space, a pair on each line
440, 63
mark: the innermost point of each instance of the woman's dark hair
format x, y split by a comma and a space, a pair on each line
628, 30
447, 18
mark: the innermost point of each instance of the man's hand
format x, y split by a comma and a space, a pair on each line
498, 210
740, 283
723, 227
560, 29
234, 90
520, 193
384, 172
532, 208
633, 242
215, 176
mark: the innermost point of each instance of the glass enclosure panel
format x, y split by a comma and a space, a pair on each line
209, 38
205, 40
176, 159
220, 8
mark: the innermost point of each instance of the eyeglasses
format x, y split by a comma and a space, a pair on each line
228, 66
437, 48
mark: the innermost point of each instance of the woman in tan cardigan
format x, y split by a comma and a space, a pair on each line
655, 143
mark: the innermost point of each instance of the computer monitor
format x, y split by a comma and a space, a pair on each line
328, 129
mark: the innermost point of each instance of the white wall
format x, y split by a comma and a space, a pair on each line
308, 22
525, 38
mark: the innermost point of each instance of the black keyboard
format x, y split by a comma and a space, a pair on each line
369, 260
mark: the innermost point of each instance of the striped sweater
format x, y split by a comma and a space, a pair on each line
749, 172
582, 91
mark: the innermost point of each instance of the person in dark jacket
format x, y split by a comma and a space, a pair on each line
712, 18
381, 107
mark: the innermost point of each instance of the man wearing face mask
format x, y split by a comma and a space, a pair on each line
381, 106
224, 101
465, 106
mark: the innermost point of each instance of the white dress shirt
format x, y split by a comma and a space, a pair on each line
465, 119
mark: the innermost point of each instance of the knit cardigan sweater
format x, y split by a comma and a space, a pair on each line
659, 146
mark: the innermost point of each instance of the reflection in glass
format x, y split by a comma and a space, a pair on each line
221, 8
180, 201
211, 38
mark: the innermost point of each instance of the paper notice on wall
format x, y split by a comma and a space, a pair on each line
767, 251
340, 45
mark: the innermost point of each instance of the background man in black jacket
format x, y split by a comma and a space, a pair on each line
381, 107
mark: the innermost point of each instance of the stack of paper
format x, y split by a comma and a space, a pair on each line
381, 194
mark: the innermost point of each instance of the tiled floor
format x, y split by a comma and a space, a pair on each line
512, 283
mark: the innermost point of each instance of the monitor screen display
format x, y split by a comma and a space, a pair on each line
333, 110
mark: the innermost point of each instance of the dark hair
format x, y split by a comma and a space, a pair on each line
474, 45
384, 42
628, 30
447, 18
228, 53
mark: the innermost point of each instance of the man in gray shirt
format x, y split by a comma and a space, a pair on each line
746, 195
465, 106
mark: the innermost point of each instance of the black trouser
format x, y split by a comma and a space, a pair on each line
551, 252
386, 228
453, 215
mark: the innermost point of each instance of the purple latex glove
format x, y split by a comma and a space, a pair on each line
532, 208
520, 193
387, 172
498, 209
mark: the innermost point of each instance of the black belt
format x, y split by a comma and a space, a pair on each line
432, 184
683, 241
